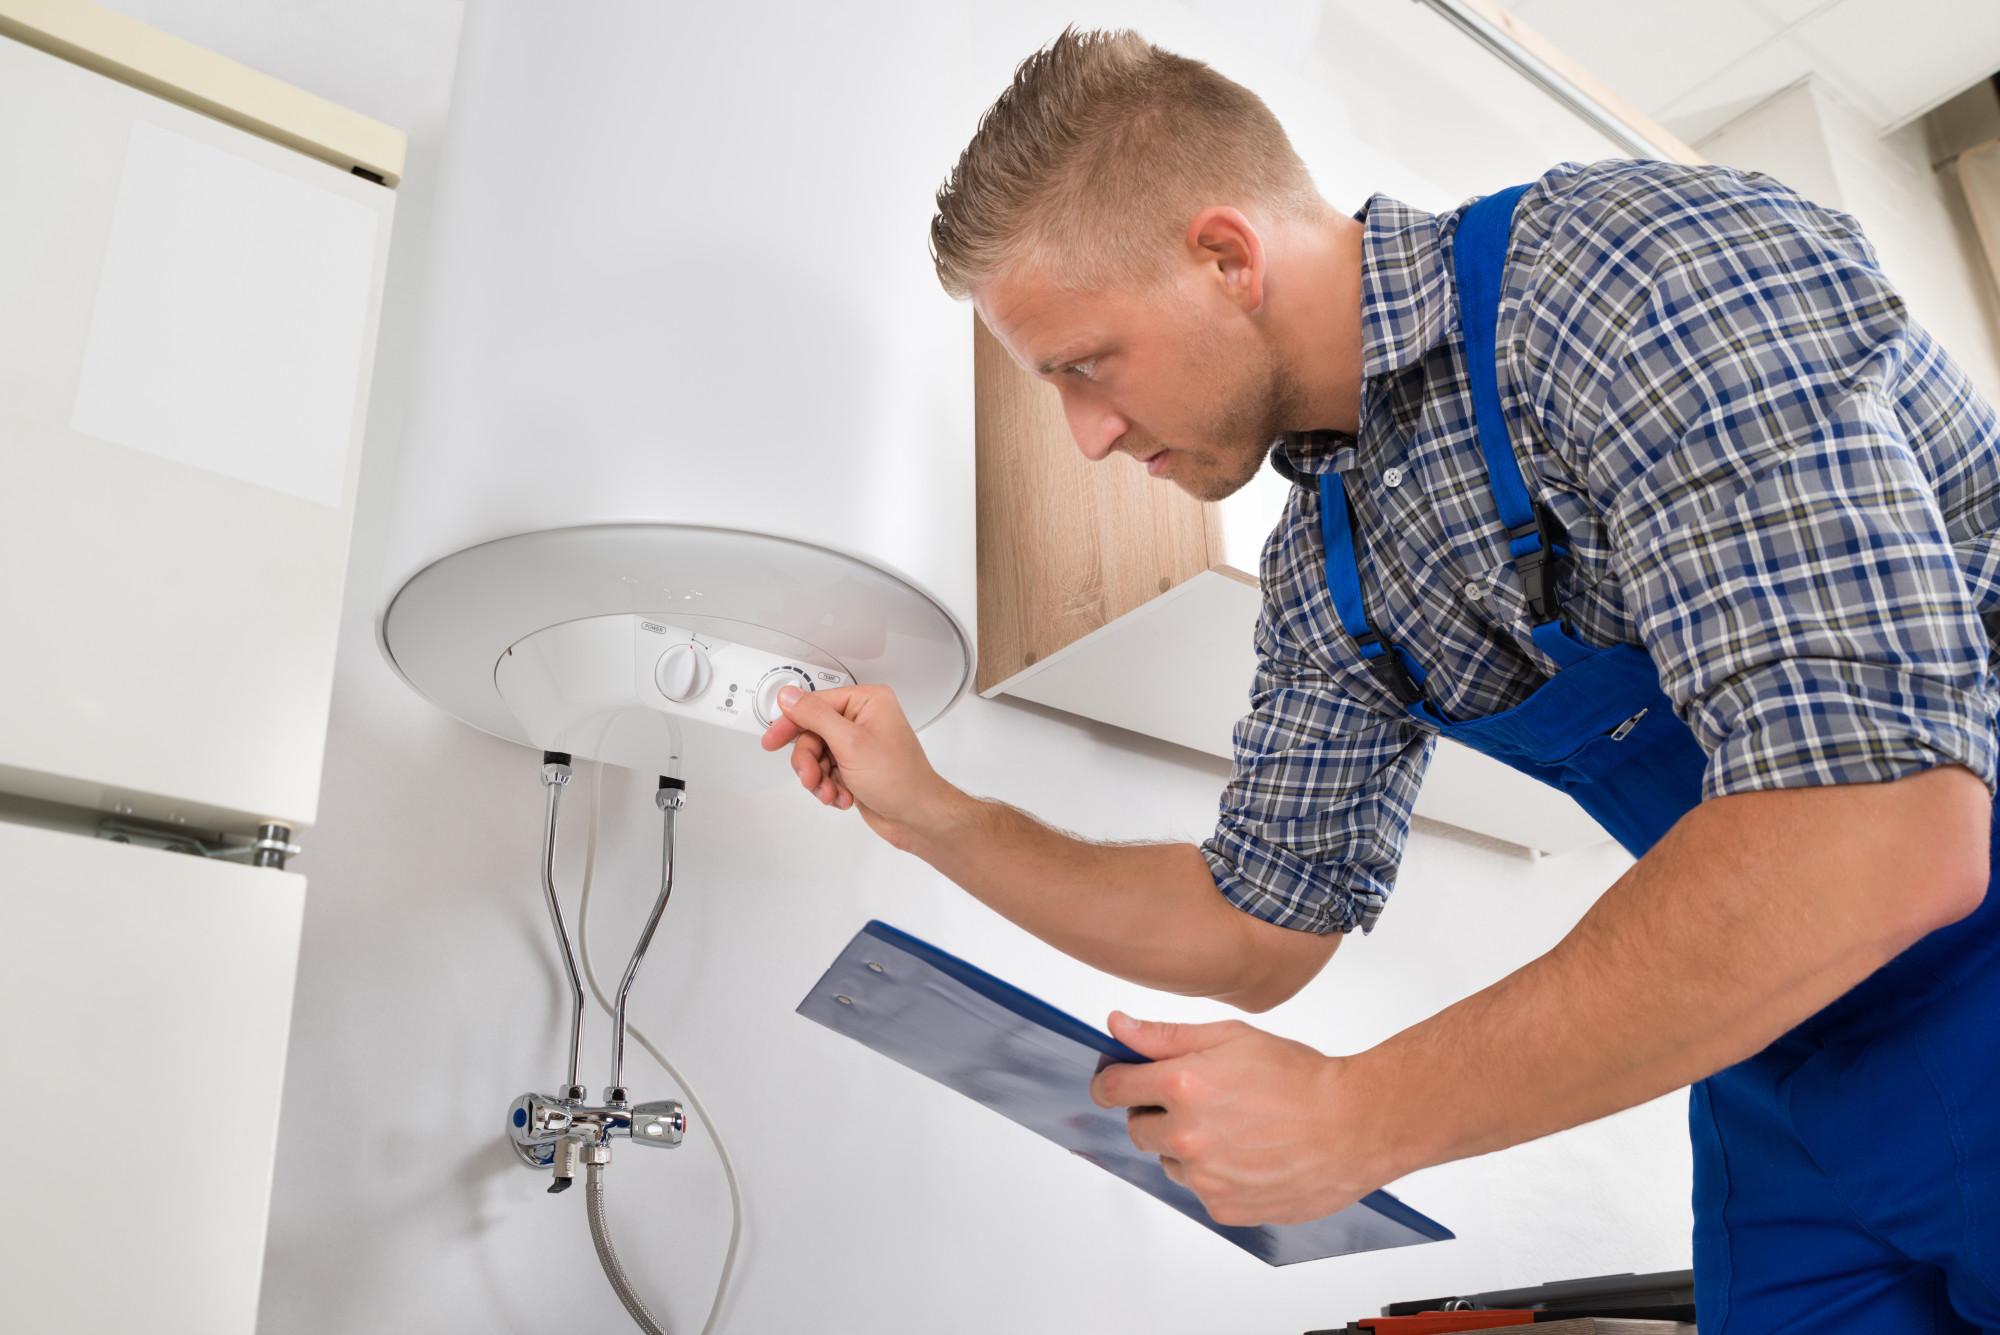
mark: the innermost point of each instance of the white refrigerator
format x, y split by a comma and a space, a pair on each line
191, 262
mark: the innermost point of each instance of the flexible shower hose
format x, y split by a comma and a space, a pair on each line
607, 1255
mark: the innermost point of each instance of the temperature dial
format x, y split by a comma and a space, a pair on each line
683, 672
777, 679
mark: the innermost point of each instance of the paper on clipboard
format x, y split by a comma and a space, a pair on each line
1031, 1063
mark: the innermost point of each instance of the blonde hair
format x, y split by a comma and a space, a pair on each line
1092, 162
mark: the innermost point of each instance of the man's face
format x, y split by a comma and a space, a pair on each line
1177, 376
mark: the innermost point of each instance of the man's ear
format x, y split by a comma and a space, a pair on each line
1224, 244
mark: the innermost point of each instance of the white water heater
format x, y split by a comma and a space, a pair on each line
693, 418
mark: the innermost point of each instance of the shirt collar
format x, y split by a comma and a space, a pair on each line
1408, 307
1300, 457
1408, 303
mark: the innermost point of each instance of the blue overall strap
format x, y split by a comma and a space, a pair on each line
1343, 581
1479, 260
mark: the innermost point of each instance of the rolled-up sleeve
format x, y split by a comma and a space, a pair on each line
1317, 810
1784, 555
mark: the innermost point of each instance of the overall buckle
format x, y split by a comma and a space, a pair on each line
1539, 569
1389, 670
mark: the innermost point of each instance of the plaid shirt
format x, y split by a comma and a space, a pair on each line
1774, 481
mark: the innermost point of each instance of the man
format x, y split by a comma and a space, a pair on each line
1708, 545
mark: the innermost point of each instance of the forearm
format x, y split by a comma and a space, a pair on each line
1754, 912
1149, 913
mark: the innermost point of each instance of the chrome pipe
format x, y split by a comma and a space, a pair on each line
670, 798
537, 1121
555, 775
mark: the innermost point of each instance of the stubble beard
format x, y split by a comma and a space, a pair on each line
1239, 433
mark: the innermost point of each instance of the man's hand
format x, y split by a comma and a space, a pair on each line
1244, 1119
853, 747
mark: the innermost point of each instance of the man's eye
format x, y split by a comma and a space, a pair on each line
1083, 368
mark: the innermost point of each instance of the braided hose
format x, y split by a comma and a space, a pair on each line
607, 1255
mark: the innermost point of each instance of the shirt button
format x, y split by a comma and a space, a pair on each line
1474, 592
1392, 478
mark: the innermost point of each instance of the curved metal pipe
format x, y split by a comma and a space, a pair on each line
555, 774
671, 797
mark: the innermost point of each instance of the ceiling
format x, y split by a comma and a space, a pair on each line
1694, 65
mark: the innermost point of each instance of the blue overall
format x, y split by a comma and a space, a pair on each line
1847, 1178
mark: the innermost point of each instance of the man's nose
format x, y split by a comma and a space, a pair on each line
1097, 429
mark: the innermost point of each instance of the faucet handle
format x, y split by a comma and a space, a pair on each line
658, 1123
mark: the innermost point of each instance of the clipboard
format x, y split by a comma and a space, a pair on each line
1032, 1064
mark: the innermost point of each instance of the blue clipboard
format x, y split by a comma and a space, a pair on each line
1032, 1064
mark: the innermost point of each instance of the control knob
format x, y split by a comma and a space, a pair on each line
777, 679
683, 672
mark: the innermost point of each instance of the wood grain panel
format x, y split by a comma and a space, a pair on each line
1065, 545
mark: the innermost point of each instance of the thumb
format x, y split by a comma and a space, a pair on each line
1161, 1039
820, 712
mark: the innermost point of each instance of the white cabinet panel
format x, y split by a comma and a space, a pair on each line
231, 313
1179, 668
183, 372
146, 999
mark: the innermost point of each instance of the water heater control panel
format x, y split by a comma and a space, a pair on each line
650, 693
720, 682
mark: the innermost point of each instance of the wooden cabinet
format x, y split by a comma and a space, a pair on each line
1066, 546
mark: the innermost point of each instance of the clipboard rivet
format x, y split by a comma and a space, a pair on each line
845, 1001
873, 965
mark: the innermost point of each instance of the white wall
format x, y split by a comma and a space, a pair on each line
428, 995
1813, 141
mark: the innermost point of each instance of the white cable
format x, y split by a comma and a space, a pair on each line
673, 1073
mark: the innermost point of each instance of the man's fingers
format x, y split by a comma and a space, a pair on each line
1137, 1085
807, 712
809, 760
1159, 1039
779, 733
813, 764
856, 732
809, 746
1164, 1081
821, 712
1148, 1129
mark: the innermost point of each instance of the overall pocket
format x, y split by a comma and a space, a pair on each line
1653, 728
